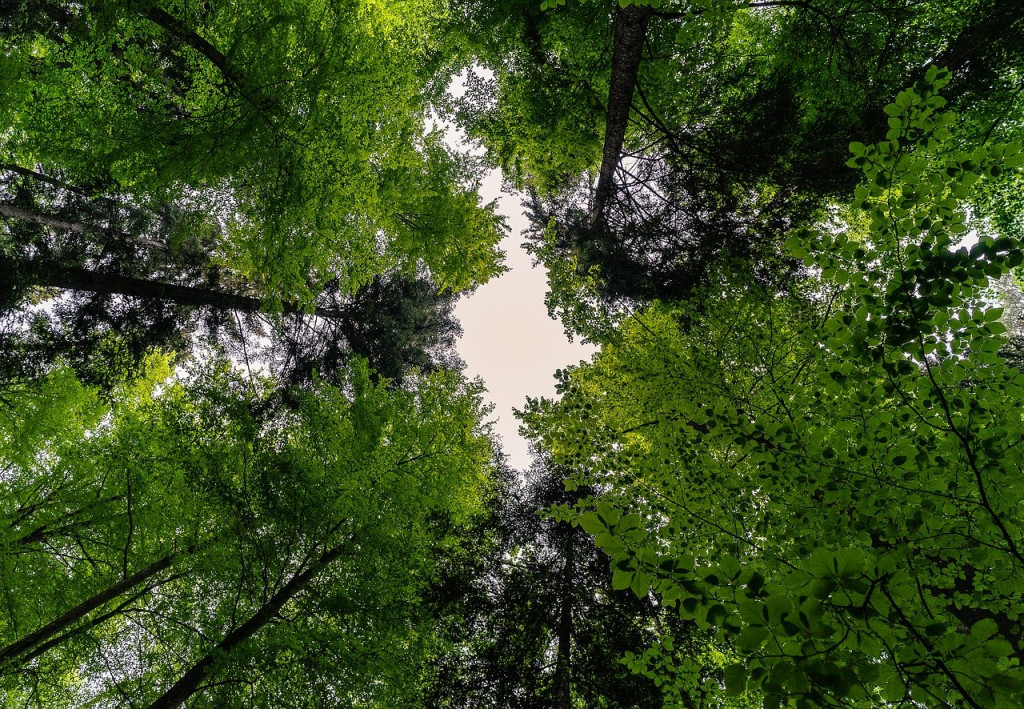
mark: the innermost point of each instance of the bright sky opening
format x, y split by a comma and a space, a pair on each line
508, 339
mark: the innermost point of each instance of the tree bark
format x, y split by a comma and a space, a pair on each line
28, 642
82, 279
190, 682
178, 29
630, 33
14, 211
1001, 21
40, 177
563, 686
94, 621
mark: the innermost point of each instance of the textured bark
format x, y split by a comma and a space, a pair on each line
95, 621
81, 279
14, 211
630, 33
40, 177
186, 34
190, 682
1001, 21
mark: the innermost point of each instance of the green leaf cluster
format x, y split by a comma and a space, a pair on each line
196, 533
298, 129
827, 480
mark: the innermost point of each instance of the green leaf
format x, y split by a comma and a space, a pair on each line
640, 584
609, 514
730, 566
716, 614
752, 638
630, 521
735, 677
592, 524
621, 580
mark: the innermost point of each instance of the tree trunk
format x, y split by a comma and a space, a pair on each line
190, 682
563, 687
186, 34
14, 211
630, 33
40, 177
81, 279
94, 621
1000, 20
27, 643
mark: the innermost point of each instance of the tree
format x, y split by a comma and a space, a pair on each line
191, 541
826, 479
296, 129
125, 280
709, 129
538, 623
396, 324
174, 170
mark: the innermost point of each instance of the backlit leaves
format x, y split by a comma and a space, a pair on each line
826, 480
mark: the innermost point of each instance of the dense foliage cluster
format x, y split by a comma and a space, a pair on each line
239, 465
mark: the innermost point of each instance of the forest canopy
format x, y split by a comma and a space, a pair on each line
241, 465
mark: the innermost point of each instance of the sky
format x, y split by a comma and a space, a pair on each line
508, 339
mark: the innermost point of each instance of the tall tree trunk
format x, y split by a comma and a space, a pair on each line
563, 686
40, 177
64, 523
178, 29
95, 620
630, 33
14, 211
28, 642
998, 21
82, 279
190, 682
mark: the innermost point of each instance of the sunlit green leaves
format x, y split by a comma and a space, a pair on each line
298, 129
190, 504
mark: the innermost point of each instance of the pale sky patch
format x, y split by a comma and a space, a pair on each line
508, 339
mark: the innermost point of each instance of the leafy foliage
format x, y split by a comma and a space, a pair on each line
540, 624
100, 283
296, 128
739, 117
199, 542
827, 479
799, 447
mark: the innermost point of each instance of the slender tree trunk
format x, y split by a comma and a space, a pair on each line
94, 621
1000, 20
30, 641
563, 686
46, 531
190, 682
40, 177
81, 279
14, 211
186, 34
630, 33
